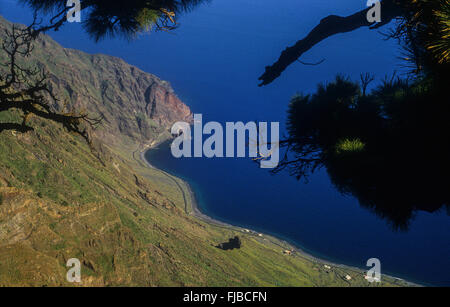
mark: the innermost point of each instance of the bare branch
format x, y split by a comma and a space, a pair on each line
26, 89
327, 27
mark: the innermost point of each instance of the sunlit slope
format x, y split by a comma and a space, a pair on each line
126, 223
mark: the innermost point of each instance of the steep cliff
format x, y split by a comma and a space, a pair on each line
126, 223
134, 104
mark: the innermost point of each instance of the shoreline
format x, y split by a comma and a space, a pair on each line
195, 211
282, 243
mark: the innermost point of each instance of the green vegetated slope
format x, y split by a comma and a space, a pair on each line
126, 223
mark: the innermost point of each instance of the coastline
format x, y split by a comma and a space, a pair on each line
193, 210
295, 251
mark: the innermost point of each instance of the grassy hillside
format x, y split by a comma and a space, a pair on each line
126, 223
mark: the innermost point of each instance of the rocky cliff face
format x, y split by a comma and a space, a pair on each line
134, 103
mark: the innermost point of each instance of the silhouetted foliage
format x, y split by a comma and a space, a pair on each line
328, 26
389, 148
25, 89
423, 28
424, 33
102, 18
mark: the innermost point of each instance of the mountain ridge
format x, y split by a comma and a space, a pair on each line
133, 103
125, 222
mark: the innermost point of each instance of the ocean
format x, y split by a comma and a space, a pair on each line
213, 61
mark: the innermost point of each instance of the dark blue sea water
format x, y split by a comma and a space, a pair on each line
213, 61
